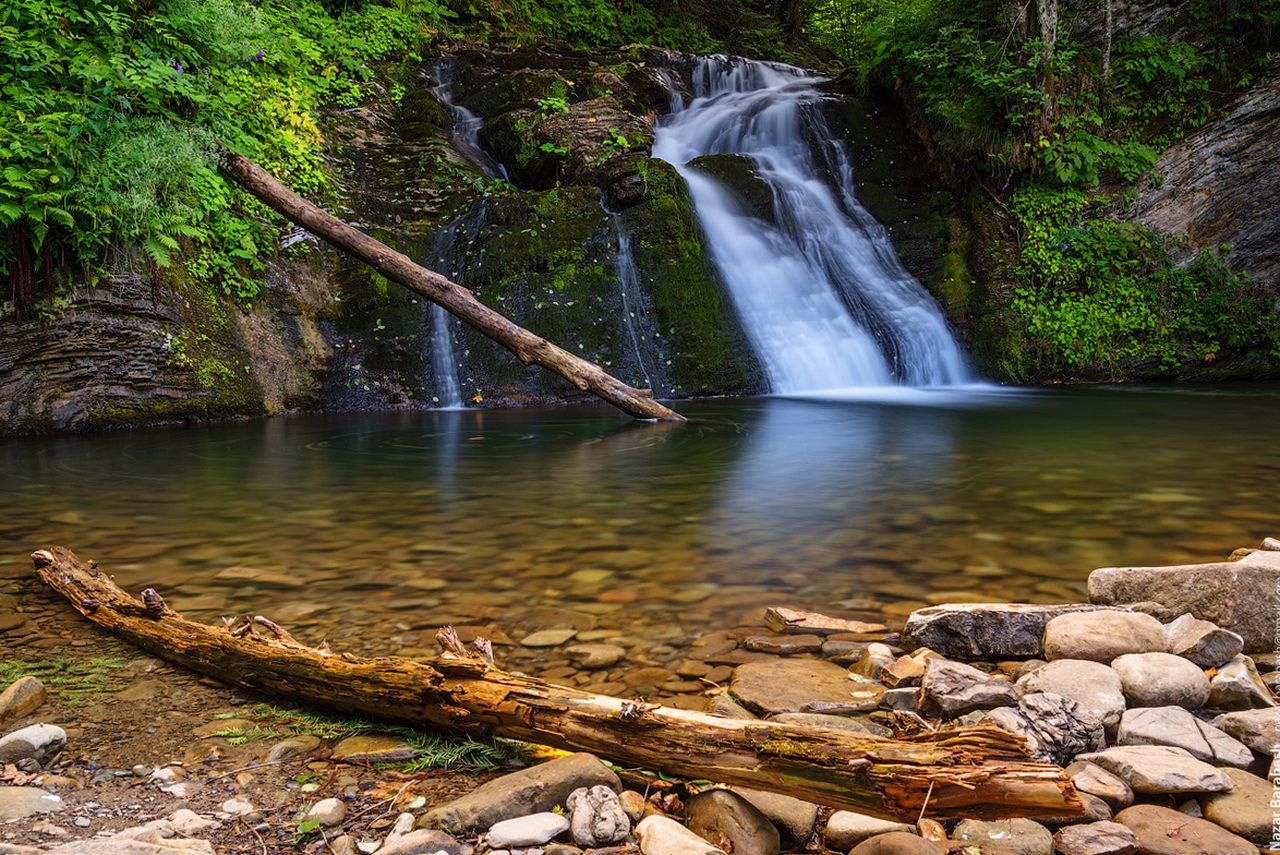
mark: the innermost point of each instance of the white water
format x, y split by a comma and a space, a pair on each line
629, 288
464, 127
821, 294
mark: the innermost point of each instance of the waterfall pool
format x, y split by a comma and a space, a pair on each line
373, 529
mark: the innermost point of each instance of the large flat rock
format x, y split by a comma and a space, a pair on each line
1239, 596
984, 630
792, 685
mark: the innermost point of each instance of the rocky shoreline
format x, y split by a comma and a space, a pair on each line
1157, 699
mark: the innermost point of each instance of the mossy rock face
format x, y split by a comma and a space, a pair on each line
738, 175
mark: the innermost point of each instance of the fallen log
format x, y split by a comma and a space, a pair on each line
971, 772
527, 346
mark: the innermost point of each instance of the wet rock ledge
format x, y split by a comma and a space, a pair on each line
1148, 697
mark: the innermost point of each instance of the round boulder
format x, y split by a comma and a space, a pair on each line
1102, 636
1161, 680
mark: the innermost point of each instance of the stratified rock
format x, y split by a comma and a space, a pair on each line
24, 696
903, 672
38, 742
1056, 728
784, 645
1091, 684
723, 816
596, 817
1239, 596
1206, 644
1016, 836
794, 818
1160, 769
875, 656
1246, 810
1257, 728
1179, 728
791, 685
903, 700
1101, 636
897, 843
1161, 680
532, 830
1093, 779
846, 829
659, 835
1237, 686
951, 689
533, 790
1162, 831
983, 630
20, 802
1095, 838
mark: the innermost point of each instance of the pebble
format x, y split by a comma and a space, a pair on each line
20, 802
1257, 728
23, 697
951, 689
733, 821
1206, 644
896, 843
794, 818
294, 746
1093, 779
548, 637
532, 830
594, 656
329, 812
846, 829
39, 742
1237, 686
82, 822
596, 817
372, 748
1015, 836
660, 835
1095, 838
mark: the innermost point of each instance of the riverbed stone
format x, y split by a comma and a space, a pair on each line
38, 742
790, 685
21, 802
660, 835
1095, 838
1257, 728
1203, 642
1237, 686
950, 689
1101, 636
897, 843
1164, 831
725, 817
1092, 779
372, 748
1239, 596
1160, 769
548, 637
846, 829
533, 790
1055, 728
1161, 680
595, 656
532, 830
329, 812
1015, 836
853, 724
23, 697
294, 746
784, 645
1093, 685
1177, 727
596, 817
984, 630
259, 576
794, 818
1246, 810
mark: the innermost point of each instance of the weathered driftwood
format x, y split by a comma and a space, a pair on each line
782, 619
973, 772
527, 346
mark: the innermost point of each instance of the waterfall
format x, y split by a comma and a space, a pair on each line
820, 292
464, 125
629, 289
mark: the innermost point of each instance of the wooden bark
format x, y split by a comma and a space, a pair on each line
971, 772
528, 347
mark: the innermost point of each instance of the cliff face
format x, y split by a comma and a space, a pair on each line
1221, 186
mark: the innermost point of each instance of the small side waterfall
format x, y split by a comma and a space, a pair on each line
629, 289
464, 130
820, 291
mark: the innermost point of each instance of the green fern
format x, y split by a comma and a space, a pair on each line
76, 683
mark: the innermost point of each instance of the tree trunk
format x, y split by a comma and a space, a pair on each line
971, 772
528, 347
1106, 46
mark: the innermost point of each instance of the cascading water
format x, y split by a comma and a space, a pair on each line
820, 291
629, 289
464, 125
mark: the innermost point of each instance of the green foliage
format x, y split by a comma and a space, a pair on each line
600, 23
111, 112
553, 104
1098, 293
616, 140
76, 683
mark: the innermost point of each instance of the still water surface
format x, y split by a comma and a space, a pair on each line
376, 528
